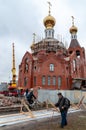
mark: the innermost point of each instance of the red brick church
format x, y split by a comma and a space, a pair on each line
51, 65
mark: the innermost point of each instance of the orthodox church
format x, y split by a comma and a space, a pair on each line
50, 65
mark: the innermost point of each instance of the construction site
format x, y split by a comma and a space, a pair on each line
16, 113
51, 83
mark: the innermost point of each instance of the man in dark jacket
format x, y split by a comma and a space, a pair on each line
63, 104
31, 97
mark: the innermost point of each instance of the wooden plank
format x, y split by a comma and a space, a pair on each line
53, 106
13, 106
80, 102
10, 108
84, 105
26, 106
74, 106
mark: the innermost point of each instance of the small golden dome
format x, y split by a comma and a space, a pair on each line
49, 21
73, 29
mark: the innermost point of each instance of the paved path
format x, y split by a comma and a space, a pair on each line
23, 117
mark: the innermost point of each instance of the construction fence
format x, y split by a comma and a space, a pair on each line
73, 95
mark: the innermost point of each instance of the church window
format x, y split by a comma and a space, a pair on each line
26, 65
27, 60
78, 54
52, 34
46, 33
74, 65
35, 67
70, 52
74, 36
54, 80
51, 67
49, 80
49, 33
43, 80
59, 82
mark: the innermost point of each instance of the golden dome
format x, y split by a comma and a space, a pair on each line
73, 29
49, 21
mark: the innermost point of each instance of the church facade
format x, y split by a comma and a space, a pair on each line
51, 65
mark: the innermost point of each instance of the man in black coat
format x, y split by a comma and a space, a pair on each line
63, 104
30, 97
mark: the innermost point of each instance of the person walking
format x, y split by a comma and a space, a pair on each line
63, 104
31, 96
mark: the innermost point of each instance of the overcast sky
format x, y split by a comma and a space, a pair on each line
19, 19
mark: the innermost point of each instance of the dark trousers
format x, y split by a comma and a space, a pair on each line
63, 118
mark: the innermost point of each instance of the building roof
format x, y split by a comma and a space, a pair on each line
74, 43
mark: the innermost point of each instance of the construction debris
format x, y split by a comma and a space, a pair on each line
22, 105
8, 101
19, 104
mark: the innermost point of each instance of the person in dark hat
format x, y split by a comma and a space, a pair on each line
63, 104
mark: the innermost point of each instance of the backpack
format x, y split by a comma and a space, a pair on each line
67, 103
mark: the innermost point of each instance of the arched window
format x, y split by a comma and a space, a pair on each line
59, 82
26, 65
78, 54
34, 67
74, 65
70, 52
43, 80
51, 67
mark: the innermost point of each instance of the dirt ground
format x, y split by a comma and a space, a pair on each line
76, 121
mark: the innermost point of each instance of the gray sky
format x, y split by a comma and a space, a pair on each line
19, 19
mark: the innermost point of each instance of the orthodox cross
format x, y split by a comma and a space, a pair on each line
49, 7
72, 20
